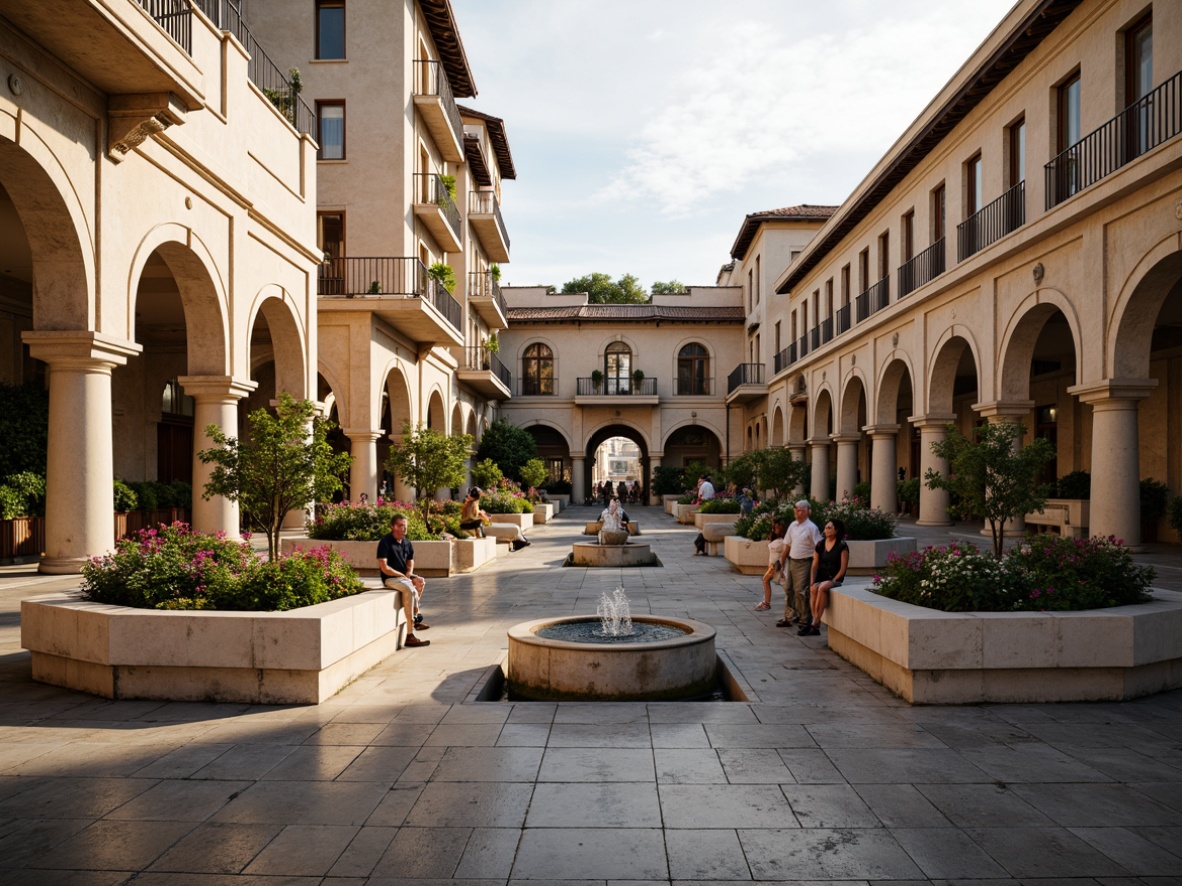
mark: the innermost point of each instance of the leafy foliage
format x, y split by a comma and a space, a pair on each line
509, 446
486, 474
601, 290
672, 287
22, 495
1076, 484
174, 568
280, 467
429, 460
124, 497
444, 275
772, 470
908, 492
720, 505
1155, 497
862, 523
24, 428
756, 525
534, 473
667, 481
992, 477
347, 521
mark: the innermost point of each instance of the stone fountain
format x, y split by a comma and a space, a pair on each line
613, 547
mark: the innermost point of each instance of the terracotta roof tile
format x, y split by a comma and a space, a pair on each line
634, 313
803, 212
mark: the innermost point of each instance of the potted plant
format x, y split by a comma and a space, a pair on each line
449, 184
495, 272
597, 379
443, 274
637, 378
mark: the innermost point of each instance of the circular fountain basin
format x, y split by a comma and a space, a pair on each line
589, 553
542, 669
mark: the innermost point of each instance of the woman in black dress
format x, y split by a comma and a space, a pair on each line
829, 564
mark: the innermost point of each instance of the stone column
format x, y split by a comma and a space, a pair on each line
1116, 472
847, 463
80, 468
215, 403
363, 473
578, 488
402, 492
1001, 413
797, 451
654, 462
884, 467
933, 503
819, 488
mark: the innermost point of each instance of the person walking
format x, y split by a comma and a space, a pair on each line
775, 548
830, 561
800, 544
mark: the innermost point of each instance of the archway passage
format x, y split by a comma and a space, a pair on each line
554, 451
631, 450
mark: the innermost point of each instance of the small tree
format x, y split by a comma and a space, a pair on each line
280, 467
534, 473
767, 470
486, 474
992, 477
507, 445
428, 460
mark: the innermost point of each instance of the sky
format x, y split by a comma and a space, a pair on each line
643, 131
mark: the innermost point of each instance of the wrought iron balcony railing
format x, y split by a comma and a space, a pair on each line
1003, 216
481, 358
388, 278
842, 318
1139, 128
176, 17
431, 79
745, 374
261, 71
611, 386
785, 358
873, 299
482, 284
921, 269
430, 189
827, 330
486, 203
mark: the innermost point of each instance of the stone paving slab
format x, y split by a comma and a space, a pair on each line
821, 776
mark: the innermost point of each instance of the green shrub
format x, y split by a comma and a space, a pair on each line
24, 428
908, 492
125, 497
504, 502
1077, 484
1176, 514
174, 568
1155, 496
486, 474
366, 522
720, 505
667, 481
688, 499
146, 495
22, 495
862, 523
756, 525
558, 487
862, 491
952, 579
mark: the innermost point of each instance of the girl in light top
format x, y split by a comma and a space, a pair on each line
775, 548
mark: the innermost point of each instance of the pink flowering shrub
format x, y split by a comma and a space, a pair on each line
353, 521
1045, 574
172, 567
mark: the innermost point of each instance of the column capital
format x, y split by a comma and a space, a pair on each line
931, 420
1114, 389
1003, 408
363, 435
818, 442
877, 431
59, 347
216, 387
847, 439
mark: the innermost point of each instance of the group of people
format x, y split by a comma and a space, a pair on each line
809, 562
627, 491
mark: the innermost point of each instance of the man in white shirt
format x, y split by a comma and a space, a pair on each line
706, 490
800, 543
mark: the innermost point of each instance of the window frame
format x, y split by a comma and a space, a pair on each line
536, 362
697, 375
321, 5
321, 104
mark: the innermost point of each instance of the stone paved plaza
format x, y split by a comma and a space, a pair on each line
821, 776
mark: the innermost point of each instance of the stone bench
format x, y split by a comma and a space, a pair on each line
502, 532
1067, 515
594, 526
715, 534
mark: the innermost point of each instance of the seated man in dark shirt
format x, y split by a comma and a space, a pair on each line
396, 560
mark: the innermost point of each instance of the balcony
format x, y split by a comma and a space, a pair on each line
438, 212
437, 106
483, 372
124, 47
1003, 216
609, 391
746, 383
873, 299
1139, 128
484, 213
923, 268
399, 290
691, 385
842, 318
485, 296
784, 359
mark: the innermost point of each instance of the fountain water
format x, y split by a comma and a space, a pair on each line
615, 615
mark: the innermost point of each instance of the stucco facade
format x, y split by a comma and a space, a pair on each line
158, 235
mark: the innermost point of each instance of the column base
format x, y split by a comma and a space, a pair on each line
62, 565
934, 523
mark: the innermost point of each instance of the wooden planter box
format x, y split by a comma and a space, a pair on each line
433, 559
22, 538
932, 657
701, 519
543, 513
868, 557
303, 656
748, 557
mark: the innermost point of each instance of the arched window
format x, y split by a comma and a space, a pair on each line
537, 371
693, 370
617, 368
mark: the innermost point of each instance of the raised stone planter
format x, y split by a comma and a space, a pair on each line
302, 656
525, 521
748, 557
701, 519
684, 513
560, 501
932, 657
543, 513
716, 534
433, 559
668, 501
868, 557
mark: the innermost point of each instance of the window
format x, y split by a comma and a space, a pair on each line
1067, 110
331, 119
693, 370
330, 235
845, 285
750, 293
617, 368
974, 186
175, 401
1017, 153
939, 202
779, 347
829, 297
757, 279
1138, 84
537, 371
330, 29
863, 270
907, 237
884, 254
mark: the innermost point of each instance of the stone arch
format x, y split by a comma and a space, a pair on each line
890, 382
457, 419
823, 413
470, 428
338, 392
202, 292
434, 414
556, 428
854, 403
604, 432
1021, 335
56, 227
1135, 314
798, 422
777, 429
283, 318
947, 353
